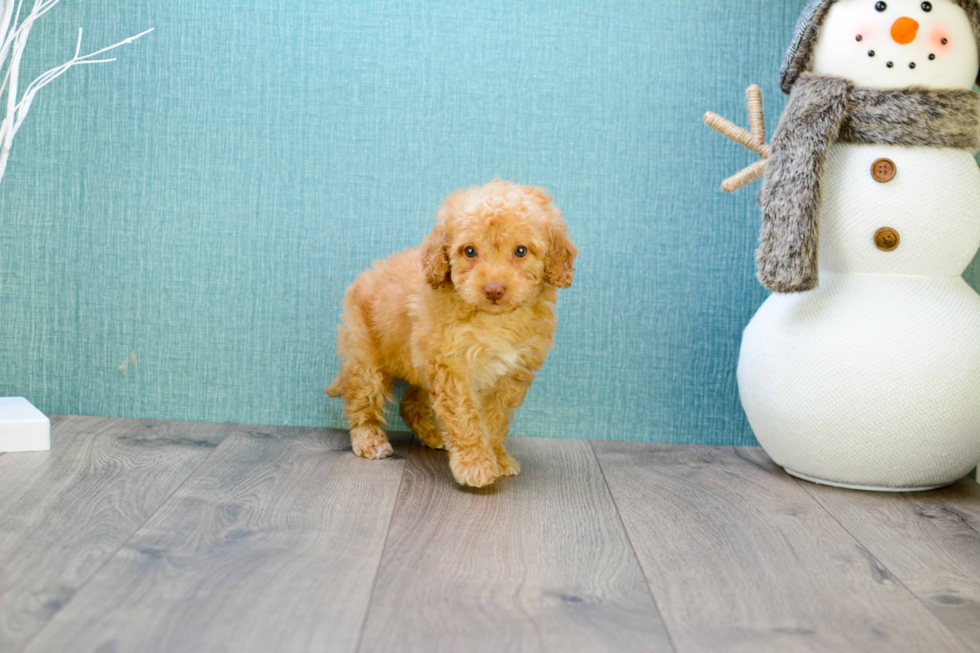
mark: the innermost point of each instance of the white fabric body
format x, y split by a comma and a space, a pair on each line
873, 378
870, 380
933, 203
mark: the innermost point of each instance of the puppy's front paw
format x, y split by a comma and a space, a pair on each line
370, 442
508, 466
478, 471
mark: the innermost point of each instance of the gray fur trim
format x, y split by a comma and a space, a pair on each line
914, 117
820, 111
787, 257
797, 58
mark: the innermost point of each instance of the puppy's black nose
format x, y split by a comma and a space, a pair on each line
494, 291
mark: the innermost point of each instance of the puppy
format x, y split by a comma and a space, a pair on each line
466, 319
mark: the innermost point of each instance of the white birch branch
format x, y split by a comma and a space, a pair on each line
13, 40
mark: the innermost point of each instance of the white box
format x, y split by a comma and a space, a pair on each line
22, 426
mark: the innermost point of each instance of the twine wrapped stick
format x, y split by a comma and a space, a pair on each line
755, 141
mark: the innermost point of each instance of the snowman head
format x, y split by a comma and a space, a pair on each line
888, 43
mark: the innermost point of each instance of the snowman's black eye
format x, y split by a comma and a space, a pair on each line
881, 6
927, 6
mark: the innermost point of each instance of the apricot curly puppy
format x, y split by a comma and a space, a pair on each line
466, 319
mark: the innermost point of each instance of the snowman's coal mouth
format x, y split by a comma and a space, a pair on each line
891, 64
912, 65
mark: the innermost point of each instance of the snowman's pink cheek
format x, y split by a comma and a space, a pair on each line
864, 33
939, 38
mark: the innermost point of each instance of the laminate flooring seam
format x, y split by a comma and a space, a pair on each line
109, 558
391, 518
629, 540
803, 486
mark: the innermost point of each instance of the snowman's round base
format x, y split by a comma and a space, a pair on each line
865, 488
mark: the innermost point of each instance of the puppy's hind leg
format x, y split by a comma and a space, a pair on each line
416, 410
366, 391
361, 382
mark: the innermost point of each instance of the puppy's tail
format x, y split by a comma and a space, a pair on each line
336, 388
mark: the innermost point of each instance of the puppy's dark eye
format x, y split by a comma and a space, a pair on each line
881, 6
470, 252
926, 6
520, 252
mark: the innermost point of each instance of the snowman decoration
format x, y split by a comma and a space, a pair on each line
862, 370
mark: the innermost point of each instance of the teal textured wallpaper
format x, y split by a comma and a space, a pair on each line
203, 202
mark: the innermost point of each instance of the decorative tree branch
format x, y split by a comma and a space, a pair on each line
755, 141
13, 39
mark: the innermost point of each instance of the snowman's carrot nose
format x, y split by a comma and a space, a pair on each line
904, 30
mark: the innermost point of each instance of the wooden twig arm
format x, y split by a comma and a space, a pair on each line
754, 140
736, 133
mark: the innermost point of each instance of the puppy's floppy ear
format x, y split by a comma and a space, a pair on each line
435, 249
559, 263
435, 257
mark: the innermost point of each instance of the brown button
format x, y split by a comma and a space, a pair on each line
887, 239
883, 170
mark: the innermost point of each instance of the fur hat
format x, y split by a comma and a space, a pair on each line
808, 29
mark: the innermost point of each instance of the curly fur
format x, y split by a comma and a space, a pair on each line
820, 111
434, 317
797, 59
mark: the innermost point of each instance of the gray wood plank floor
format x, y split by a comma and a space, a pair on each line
65, 513
929, 540
165, 536
740, 557
538, 562
272, 546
